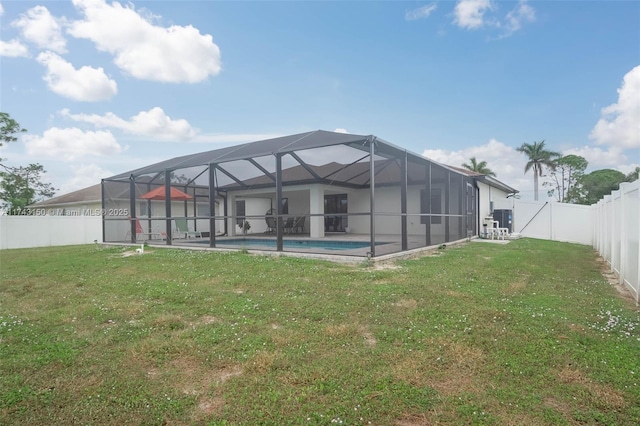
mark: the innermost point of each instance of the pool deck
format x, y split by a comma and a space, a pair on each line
389, 251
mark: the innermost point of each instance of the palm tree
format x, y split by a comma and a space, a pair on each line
480, 167
538, 158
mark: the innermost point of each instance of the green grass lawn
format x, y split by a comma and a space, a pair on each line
527, 333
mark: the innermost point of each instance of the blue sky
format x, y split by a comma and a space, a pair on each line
105, 87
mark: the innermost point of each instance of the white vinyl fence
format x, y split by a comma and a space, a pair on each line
43, 231
617, 234
569, 223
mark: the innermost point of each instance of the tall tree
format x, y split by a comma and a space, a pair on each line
8, 128
20, 186
538, 159
597, 184
23, 186
478, 167
567, 173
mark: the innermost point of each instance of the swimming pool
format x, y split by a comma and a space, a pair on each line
293, 244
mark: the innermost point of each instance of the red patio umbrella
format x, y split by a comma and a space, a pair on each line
160, 194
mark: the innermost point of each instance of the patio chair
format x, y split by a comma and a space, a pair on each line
183, 228
271, 222
288, 225
299, 224
141, 233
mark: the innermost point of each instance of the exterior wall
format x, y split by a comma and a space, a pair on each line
488, 195
387, 202
254, 206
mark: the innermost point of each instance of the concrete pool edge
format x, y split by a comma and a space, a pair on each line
352, 259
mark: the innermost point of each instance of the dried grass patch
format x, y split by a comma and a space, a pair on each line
338, 330
369, 338
413, 420
451, 368
168, 321
515, 287
508, 418
600, 395
382, 266
188, 375
456, 294
262, 362
406, 304
206, 320
210, 406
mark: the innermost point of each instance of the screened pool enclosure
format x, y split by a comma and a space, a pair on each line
316, 192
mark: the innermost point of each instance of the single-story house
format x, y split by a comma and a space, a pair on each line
83, 202
315, 192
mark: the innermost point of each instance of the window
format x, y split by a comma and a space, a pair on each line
240, 212
143, 209
202, 209
285, 206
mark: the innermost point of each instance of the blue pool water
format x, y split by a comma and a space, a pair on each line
293, 244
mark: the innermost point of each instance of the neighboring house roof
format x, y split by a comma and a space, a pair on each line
91, 194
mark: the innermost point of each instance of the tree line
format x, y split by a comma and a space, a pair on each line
568, 182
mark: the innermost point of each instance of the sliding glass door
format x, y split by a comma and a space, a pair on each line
335, 209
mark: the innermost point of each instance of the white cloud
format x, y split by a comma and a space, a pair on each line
503, 160
83, 176
153, 123
85, 84
599, 158
41, 28
13, 49
469, 14
227, 138
493, 152
175, 54
420, 12
519, 14
340, 130
475, 14
72, 143
619, 125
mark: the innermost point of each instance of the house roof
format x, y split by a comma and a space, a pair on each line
86, 195
489, 180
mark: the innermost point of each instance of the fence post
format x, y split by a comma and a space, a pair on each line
551, 233
637, 283
610, 228
623, 235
